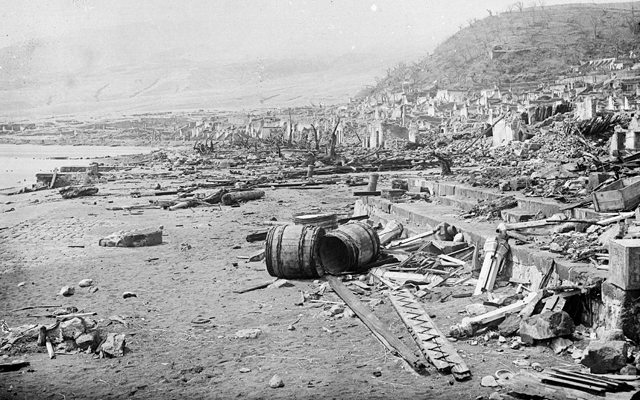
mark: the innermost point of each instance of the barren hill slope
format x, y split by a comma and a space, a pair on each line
523, 44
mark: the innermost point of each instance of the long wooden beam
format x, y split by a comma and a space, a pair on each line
374, 324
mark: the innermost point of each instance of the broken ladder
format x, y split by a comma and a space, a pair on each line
431, 341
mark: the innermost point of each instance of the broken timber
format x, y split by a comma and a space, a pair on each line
431, 341
374, 324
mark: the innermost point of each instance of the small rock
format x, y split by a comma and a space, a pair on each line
555, 248
113, 345
244, 370
521, 363
72, 328
514, 345
280, 283
558, 345
502, 339
85, 283
476, 309
489, 381
377, 374
335, 310
537, 367
602, 357
546, 326
348, 313
375, 302
126, 295
21, 284
90, 340
276, 382
92, 289
291, 328
67, 291
495, 396
629, 370
577, 354
252, 333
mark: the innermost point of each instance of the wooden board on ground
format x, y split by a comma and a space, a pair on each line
374, 324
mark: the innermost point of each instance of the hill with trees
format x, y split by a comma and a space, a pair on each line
522, 44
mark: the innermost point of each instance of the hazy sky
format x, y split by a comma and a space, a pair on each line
305, 26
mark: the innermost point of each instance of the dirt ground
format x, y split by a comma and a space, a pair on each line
190, 278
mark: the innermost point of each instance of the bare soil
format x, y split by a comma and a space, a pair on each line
190, 279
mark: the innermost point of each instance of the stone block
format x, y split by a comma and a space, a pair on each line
624, 263
547, 325
113, 345
73, 328
134, 238
90, 340
605, 356
510, 325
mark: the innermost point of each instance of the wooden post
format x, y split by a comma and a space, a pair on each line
373, 182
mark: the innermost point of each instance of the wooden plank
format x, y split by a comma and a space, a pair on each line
581, 379
444, 278
618, 196
576, 205
554, 303
566, 382
528, 309
367, 193
255, 287
412, 239
431, 341
489, 269
378, 273
593, 377
374, 324
452, 259
257, 236
15, 366
617, 218
53, 178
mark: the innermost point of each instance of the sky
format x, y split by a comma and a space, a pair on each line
256, 27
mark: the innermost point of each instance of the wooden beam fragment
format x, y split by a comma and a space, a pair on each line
374, 324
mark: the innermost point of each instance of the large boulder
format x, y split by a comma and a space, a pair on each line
604, 356
547, 325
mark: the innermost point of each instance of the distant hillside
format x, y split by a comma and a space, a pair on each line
144, 67
522, 45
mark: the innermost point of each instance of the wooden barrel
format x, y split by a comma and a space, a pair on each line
348, 248
292, 250
326, 221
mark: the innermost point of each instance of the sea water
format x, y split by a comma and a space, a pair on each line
19, 163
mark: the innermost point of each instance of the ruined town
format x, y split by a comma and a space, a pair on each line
449, 232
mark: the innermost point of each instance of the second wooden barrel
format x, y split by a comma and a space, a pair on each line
346, 249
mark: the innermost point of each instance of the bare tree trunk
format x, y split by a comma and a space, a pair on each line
315, 137
334, 139
290, 129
